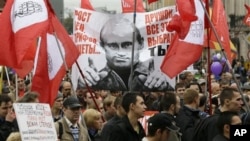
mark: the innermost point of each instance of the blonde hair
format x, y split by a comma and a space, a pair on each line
90, 115
14, 136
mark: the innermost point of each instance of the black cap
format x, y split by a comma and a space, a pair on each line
72, 102
161, 121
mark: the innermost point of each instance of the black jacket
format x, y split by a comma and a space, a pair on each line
187, 119
106, 130
125, 132
207, 129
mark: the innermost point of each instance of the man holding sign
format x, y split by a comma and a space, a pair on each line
116, 39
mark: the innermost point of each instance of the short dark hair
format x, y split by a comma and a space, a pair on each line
4, 98
179, 85
194, 83
129, 98
225, 118
167, 100
227, 93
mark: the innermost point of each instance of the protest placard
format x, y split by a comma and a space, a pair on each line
35, 122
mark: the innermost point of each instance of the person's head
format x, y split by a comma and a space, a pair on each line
93, 119
58, 102
189, 76
116, 40
118, 106
231, 100
5, 105
133, 103
170, 102
65, 88
29, 97
159, 127
89, 96
194, 85
226, 119
215, 88
72, 109
224, 84
191, 97
180, 89
108, 104
20, 82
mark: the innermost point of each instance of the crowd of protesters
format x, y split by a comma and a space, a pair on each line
185, 114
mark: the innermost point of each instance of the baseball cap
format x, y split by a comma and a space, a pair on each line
72, 102
161, 121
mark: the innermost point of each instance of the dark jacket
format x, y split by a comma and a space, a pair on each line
220, 137
122, 81
6, 128
125, 132
106, 130
187, 119
206, 130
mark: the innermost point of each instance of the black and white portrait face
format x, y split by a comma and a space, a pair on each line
118, 41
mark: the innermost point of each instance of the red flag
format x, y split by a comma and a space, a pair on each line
187, 10
182, 53
247, 17
220, 23
179, 56
151, 1
21, 22
86, 5
128, 6
50, 67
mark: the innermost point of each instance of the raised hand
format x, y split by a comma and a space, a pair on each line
92, 75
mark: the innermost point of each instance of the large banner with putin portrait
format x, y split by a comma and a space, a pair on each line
107, 41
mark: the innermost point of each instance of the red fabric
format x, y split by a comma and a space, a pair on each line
247, 17
220, 23
128, 6
48, 87
86, 5
151, 1
15, 47
178, 25
187, 10
179, 56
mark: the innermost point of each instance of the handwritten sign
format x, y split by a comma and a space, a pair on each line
35, 122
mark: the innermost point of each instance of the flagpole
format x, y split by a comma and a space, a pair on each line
64, 61
224, 55
88, 88
208, 76
133, 46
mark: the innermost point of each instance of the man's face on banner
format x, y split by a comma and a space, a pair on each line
118, 42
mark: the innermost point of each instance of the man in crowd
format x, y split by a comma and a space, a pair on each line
159, 128
188, 115
170, 106
130, 129
230, 100
226, 119
68, 128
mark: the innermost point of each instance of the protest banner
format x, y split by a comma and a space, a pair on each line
35, 122
105, 42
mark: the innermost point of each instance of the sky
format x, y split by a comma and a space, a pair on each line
110, 4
